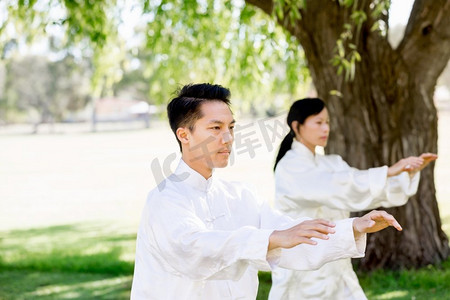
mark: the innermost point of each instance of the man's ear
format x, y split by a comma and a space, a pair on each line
183, 135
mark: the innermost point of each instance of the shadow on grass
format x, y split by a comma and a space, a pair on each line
69, 248
59, 285
80, 261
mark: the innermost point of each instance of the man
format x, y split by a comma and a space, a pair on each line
204, 238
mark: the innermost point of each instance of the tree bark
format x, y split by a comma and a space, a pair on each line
385, 113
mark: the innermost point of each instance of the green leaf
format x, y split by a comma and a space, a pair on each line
336, 93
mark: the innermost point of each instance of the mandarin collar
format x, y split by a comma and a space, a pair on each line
302, 149
192, 178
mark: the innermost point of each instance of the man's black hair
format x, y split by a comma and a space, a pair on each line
184, 109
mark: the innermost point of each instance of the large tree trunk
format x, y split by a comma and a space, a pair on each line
385, 113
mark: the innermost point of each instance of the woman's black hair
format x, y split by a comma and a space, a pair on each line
299, 111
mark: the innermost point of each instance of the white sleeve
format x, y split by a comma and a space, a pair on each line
184, 243
339, 186
398, 189
341, 244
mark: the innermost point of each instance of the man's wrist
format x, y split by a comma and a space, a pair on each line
356, 231
273, 241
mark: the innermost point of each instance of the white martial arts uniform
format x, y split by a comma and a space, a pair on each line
325, 186
207, 239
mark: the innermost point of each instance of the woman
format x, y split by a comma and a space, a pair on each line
325, 186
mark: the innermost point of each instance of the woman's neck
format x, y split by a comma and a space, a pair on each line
310, 147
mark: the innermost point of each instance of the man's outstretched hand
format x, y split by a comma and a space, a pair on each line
304, 232
374, 221
301, 234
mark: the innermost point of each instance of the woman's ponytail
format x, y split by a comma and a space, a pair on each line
285, 146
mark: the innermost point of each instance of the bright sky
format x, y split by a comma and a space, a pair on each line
399, 12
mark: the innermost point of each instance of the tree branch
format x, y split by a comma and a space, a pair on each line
425, 48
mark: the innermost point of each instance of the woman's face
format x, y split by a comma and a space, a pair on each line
314, 131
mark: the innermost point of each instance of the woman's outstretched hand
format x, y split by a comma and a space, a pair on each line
412, 164
427, 158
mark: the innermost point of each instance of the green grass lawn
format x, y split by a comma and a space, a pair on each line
427, 283
95, 261
66, 262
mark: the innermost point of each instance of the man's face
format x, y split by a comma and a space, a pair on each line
209, 143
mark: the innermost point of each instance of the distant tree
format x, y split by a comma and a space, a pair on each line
27, 83
49, 89
3, 102
133, 85
179, 41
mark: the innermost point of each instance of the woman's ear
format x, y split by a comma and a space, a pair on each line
295, 127
183, 135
